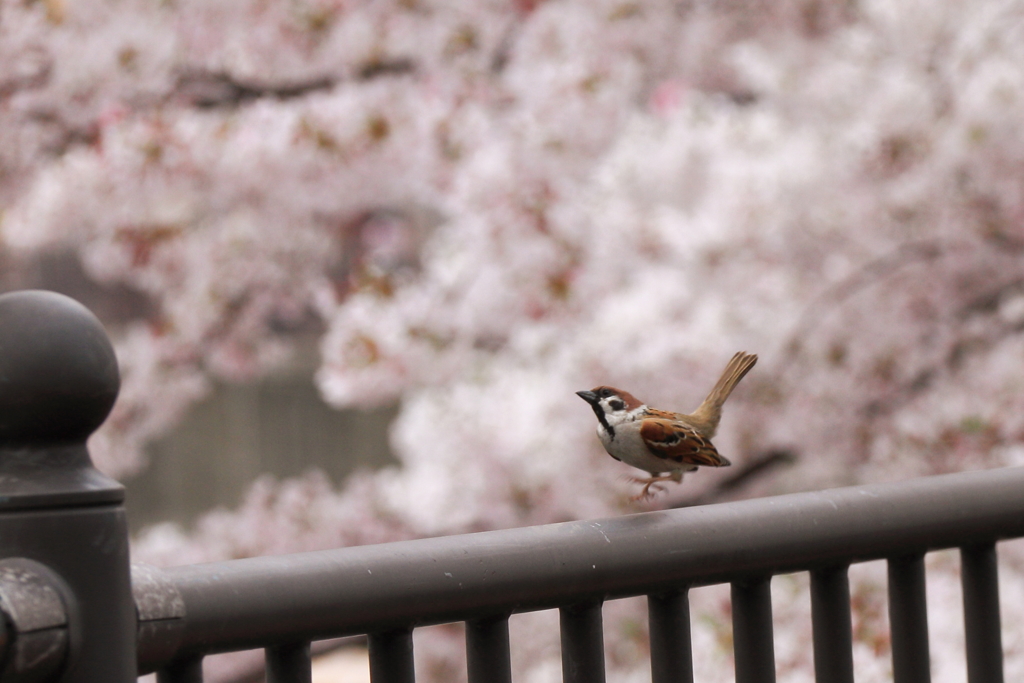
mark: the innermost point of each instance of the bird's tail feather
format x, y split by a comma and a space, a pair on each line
737, 368
710, 411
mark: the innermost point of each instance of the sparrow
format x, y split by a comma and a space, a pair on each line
663, 443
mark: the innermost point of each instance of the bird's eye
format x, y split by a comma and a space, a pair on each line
604, 393
616, 404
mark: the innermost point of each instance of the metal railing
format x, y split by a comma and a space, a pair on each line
387, 590
283, 603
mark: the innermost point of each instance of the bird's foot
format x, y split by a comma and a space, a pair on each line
652, 486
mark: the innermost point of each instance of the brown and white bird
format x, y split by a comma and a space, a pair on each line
663, 443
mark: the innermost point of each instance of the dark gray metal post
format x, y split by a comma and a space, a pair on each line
981, 613
289, 664
833, 630
671, 653
582, 643
752, 633
58, 382
391, 659
908, 620
186, 670
487, 650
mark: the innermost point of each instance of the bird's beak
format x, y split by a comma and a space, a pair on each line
588, 396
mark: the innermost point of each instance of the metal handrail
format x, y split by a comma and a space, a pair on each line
268, 601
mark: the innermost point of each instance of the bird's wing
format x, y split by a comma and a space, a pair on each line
677, 442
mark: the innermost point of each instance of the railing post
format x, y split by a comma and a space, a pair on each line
289, 663
391, 659
832, 626
487, 650
980, 578
671, 650
908, 619
582, 633
61, 521
752, 632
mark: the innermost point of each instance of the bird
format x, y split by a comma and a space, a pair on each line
664, 443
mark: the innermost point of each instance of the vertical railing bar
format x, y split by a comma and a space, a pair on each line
185, 670
289, 663
487, 650
980, 577
391, 659
833, 630
908, 620
753, 639
582, 643
669, 622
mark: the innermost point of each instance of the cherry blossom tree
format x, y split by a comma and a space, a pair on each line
482, 207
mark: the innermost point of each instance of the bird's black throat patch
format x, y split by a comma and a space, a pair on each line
599, 411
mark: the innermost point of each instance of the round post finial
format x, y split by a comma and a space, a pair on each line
58, 382
58, 371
